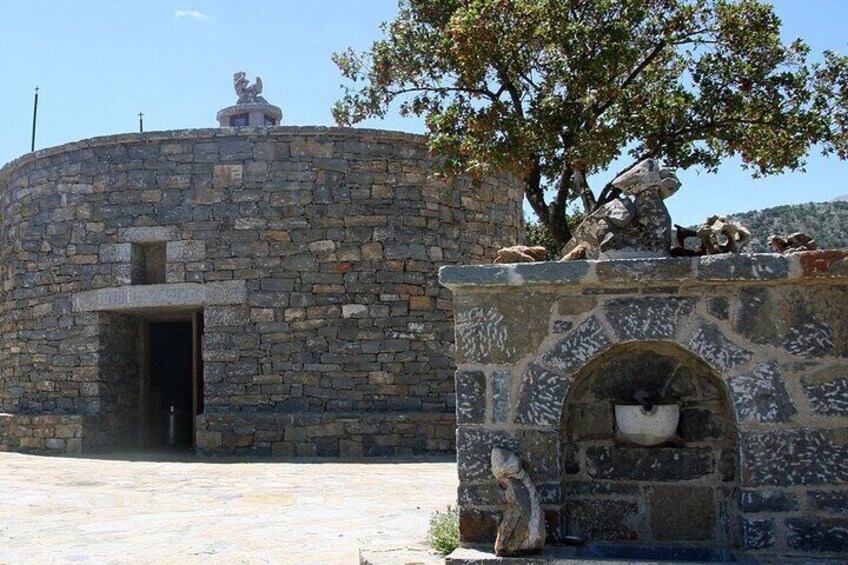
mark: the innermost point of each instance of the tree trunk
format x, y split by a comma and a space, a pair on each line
552, 215
586, 195
557, 225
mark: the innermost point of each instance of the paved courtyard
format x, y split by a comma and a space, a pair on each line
69, 510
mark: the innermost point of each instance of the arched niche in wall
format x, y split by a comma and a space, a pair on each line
682, 491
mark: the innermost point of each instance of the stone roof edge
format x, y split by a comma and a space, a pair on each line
205, 133
759, 267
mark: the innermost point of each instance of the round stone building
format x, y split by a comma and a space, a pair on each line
244, 290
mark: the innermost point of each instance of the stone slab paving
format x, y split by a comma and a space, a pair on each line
70, 510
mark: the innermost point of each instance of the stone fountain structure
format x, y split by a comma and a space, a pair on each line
751, 350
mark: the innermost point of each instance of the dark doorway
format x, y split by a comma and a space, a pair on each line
175, 390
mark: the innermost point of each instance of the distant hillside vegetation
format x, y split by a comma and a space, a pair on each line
826, 222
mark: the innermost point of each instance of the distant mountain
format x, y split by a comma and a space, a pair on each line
826, 222
843, 198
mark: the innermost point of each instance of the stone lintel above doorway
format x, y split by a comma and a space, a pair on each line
142, 297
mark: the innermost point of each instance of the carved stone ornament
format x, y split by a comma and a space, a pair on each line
247, 93
717, 234
792, 243
522, 529
631, 221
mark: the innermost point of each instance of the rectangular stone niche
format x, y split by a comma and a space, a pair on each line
148, 263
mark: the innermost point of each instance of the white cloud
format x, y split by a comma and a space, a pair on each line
195, 14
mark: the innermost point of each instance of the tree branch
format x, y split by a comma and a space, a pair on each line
507, 83
655, 52
442, 89
533, 190
631, 77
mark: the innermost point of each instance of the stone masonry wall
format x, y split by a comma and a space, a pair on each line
332, 237
760, 459
117, 390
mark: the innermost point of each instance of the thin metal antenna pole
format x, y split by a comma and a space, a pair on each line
140, 122
34, 117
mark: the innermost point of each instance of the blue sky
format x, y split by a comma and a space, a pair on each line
99, 63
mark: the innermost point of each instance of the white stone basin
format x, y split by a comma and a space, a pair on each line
646, 427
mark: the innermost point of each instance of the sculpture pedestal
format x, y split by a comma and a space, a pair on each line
250, 114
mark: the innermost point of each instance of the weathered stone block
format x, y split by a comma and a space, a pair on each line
592, 420
719, 307
501, 396
626, 270
819, 535
760, 395
794, 457
481, 335
349, 448
737, 266
656, 464
453, 276
141, 296
311, 148
681, 513
709, 342
55, 444
546, 272
758, 533
227, 175
208, 440
502, 331
224, 292
831, 501
470, 397
757, 310
767, 500
602, 519
73, 446
354, 311
148, 234
420, 303
578, 347
481, 494
647, 318
540, 454
575, 305
474, 451
824, 263
809, 337
828, 396
478, 526
115, 253
218, 316
185, 251
541, 396
700, 425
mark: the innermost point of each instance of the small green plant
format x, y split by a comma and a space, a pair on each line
444, 530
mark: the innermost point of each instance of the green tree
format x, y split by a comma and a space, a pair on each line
556, 90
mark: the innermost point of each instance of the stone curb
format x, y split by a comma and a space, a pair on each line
712, 268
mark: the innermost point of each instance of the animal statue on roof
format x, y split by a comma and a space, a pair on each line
245, 91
